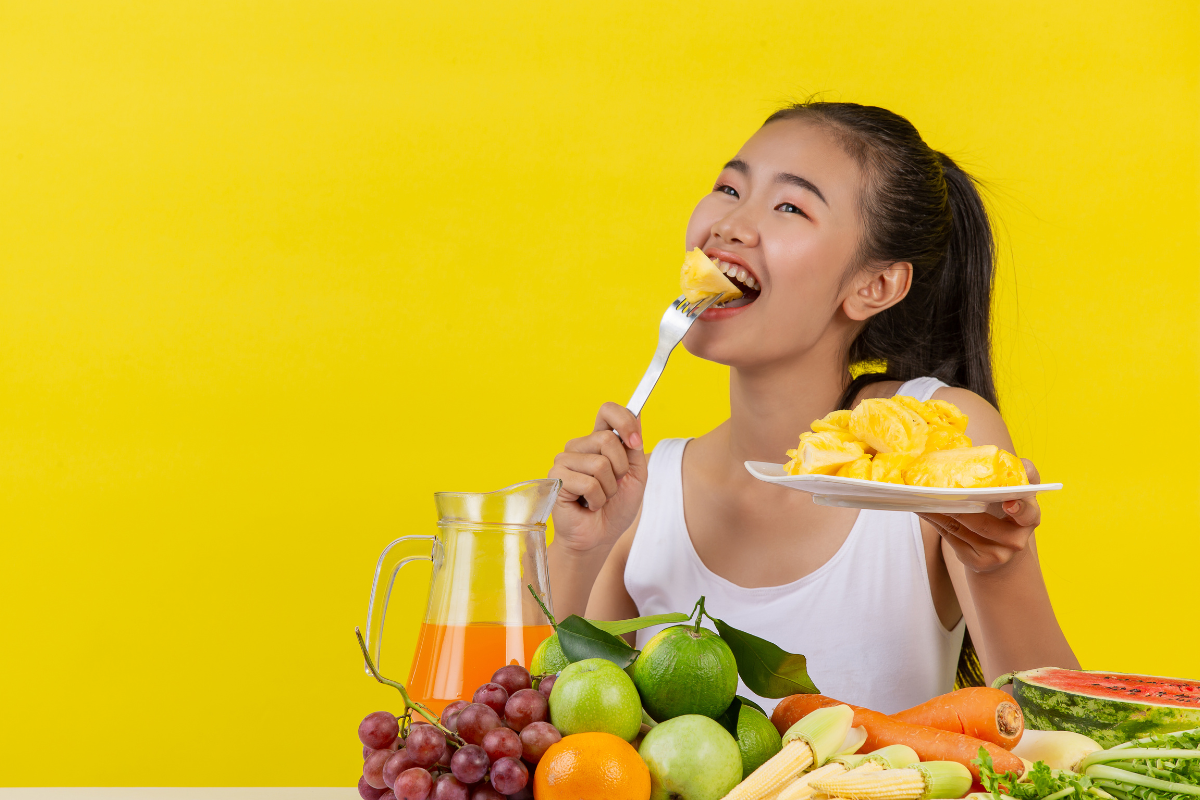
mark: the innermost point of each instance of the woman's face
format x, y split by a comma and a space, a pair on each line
784, 210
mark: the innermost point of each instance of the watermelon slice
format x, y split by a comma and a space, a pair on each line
1110, 707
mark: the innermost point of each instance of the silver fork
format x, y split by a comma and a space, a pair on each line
678, 317
676, 320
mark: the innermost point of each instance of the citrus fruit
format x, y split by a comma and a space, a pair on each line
591, 766
595, 695
757, 739
685, 671
548, 658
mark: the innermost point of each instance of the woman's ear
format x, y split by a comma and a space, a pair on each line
873, 291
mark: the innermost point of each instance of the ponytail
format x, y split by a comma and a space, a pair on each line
917, 206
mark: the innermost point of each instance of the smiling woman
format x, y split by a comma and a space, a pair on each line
853, 242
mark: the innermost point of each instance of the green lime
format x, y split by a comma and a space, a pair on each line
757, 739
684, 671
548, 658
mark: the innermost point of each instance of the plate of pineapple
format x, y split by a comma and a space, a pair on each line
900, 454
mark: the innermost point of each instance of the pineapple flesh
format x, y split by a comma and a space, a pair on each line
700, 278
906, 441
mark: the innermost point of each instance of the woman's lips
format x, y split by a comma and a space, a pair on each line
718, 314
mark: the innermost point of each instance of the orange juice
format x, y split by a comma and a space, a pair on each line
452, 661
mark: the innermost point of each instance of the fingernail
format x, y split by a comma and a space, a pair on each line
635, 440
1017, 505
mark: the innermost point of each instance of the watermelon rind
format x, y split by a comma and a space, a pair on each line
1107, 719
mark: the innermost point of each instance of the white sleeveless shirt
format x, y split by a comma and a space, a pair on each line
865, 619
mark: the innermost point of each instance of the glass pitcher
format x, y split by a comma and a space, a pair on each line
480, 615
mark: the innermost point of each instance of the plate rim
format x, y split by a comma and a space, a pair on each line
893, 488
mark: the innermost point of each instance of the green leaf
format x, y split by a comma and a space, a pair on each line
765, 668
729, 717
581, 639
620, 626
746, 701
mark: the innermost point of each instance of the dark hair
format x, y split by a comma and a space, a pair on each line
918, 206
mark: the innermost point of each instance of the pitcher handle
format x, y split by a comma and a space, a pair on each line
375, 618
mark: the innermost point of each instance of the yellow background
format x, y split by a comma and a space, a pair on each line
271, 273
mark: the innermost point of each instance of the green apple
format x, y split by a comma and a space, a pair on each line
691, 758
595, 695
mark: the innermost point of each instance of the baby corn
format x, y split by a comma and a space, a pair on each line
801, 788
809, 742
935, 779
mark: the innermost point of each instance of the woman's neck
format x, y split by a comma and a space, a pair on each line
770, 405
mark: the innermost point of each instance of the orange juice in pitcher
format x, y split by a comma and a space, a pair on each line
489, 548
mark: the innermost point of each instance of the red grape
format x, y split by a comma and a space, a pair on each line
509, 775
475, 721
378, 730
484, 791
449, 787
522, 794
444, 758
368, 792
524, 707
400, 761
547, 684
536, 740
470, 763
373, 768
450, 714
413, 784
513, 678
388, 795
425, 744
501, 742
492, 695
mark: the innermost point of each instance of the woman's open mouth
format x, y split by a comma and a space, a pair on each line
743, 280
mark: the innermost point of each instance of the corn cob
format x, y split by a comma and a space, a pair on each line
935, 779
801, 788
809, 742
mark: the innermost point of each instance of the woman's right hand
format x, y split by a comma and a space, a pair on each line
606, 469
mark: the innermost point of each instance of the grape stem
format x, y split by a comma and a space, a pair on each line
545, 610
409, 703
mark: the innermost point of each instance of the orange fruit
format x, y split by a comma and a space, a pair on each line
591, 766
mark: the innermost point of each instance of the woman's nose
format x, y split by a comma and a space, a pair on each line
736, 226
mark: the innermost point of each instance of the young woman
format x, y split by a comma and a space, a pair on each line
868, 248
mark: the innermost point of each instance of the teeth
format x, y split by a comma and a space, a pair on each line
739, 274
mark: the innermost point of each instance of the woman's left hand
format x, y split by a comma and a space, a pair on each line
984, 543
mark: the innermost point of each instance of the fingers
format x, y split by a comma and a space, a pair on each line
982, 542
603, 444
613, 417
1024, 512
577, 484
1031, 471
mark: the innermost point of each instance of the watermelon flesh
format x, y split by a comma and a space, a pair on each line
1109, 707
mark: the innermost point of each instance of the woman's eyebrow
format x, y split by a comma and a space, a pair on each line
803, 183
783, 177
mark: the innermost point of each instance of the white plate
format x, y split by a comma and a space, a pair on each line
828, 490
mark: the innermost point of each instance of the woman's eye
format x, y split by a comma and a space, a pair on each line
729, 190
788, 208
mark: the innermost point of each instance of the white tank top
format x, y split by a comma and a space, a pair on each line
865, 619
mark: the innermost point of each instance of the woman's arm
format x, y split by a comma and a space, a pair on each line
994, 567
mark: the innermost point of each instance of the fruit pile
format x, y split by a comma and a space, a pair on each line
482, 750
903, 440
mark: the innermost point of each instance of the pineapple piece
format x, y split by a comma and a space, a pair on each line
700, 278
889, 467
858, 468
961, 468
889, 426
943, 437
833, 421
823, 453
935, 412
1013, 471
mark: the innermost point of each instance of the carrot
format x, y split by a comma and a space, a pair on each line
930, 744
978, 711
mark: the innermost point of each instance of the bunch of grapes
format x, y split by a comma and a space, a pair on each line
505, 730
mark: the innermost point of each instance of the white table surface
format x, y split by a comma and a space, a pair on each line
151, 793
